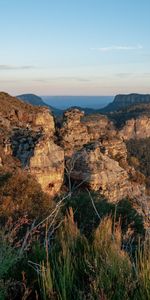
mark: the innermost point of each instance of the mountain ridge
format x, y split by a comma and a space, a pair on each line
37, 101
125, 100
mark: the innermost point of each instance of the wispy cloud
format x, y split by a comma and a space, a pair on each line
13, 67
124, 75
47, 80
118, 48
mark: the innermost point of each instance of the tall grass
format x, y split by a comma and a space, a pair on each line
142, 268
73, 267
101, 269
8, 259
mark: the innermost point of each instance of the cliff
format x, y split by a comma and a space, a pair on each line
27, 134
78, 130
104, 174
122, 101
90, 146
136, 128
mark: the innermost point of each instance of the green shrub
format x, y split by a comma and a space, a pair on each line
8, 260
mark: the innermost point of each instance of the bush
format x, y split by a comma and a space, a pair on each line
21, 194
8, 260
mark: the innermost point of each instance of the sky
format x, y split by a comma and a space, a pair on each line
74, 47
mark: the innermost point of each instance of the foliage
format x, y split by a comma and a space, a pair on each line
88, 220
20, 194
8, 260
78, 254
78, 269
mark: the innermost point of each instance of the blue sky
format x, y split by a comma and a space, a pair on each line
75, 47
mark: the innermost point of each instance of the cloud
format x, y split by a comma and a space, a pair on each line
118, 48
47, 80
13, 67
124, 75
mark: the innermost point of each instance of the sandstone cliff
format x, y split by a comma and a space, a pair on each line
78, 130
28, 140
104, 174
97, 157
27, 134
136, 128
122, 101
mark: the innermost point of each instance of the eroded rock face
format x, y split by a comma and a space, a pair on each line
47, 165
98, 152
78, 130
73, 134
39, 155
98, 126
103, 174
27, 141
23, 142
45, 121
115, 148
136, 128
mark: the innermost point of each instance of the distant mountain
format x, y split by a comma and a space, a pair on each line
38, 101
64, 102
122, 101
123, 107
32, 99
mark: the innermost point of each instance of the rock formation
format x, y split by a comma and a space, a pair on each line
73, 133
47, 164
27, 133
136, 128
78, 130
28, 140
103, 174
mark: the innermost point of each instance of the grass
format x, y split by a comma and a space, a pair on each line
79, 269
8, 259
79, 262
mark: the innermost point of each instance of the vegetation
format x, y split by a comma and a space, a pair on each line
21, 194
86, 248
120, 116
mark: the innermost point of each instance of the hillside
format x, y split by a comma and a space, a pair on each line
133, 111
32, 99
61, 188
123, 101
38, 101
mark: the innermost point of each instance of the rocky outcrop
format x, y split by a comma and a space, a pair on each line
136, 128
27, 134
96, 150
73, 134
101, 173
98, 126
44, 121
78, 130
115, 148
23, 142
43, 159
17, 114
47, 165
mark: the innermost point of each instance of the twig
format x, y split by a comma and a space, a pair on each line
93, 204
